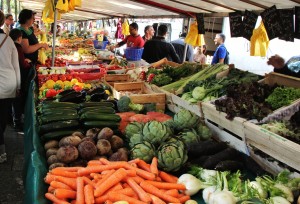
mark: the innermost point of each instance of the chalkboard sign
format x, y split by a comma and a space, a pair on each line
297, 22
236, 24
200, 23
249, 22
272, 22
287, 18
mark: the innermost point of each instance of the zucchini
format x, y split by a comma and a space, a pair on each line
58, 104
53, 111
96, 104
52, 118
100, 124
56, 135
100, 116
101, 109
58, 125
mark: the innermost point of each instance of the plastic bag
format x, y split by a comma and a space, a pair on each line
293, 64
193, 38
62, 5
125, 28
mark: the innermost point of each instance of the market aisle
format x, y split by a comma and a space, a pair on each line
11, 183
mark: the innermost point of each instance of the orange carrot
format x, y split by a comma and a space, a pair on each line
115, 178
49, 177
73, 168
143, 196
121, 197
142, 173
94, 163
80, 190
108, 202
98, 169
165, 185
126, 191
143, 165
71, 182
88, 181
61, 172
153, 166
155, 191
134, 165
134, 161
125, 185
89, 194
105, 177
51, 189
173, 192
104, 161
61, 193
156, 200
137, 179
101, 199
131, 172
185, 198
167, 177
73, 202
57, 184
54, 199
158, 179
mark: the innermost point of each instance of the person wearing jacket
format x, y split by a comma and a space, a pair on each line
290, 68
179, 46
10, 81
158, 48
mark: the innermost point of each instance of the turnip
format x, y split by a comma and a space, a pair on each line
192, 184
67, 154
279, 200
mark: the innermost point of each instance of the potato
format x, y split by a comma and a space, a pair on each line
88, 139
87, 150
67, 154
103, 146
116, 142
51, 151
51, 144
106, 133
53, 166
79, 134
52, 159
124, 149
92, 133
70, 140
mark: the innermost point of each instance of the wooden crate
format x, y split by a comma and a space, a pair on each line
281, 79
145, 95
223, 135
235, 126
272, 144
116, 78
164, 61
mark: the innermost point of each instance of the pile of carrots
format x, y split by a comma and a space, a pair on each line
104, 181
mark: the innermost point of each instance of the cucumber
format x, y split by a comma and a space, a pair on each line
58, 104
101, 109
52, 118
100, 124
56, 135
53, 111
101, 117
58, 125
93, 104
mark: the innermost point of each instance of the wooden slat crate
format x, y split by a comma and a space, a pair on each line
235, 126
281, 79
272, 144
116, 78
164, 61
145, 95
223, 135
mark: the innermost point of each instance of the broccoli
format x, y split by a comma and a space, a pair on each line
125, 105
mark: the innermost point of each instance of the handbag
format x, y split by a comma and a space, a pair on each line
3, 40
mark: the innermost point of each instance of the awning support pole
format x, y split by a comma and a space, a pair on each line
54, 37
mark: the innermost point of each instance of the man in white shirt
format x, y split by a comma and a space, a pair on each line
9, 20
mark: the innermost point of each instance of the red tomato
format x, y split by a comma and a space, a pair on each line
63, 77
77, 88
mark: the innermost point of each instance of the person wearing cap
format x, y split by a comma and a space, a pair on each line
29, 42
9, 21
10, 81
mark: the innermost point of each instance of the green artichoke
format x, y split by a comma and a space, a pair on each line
189, 137
135, 139
144, 150
133, 128
155, 132
204, 132
185, 119
170, 123
171, 157
175, 140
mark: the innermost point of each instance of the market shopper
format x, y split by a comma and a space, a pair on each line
149, 33
133, 40
221, 53
291, 67
179, 46
158, 48
10, 81
9, 21
200, 57
29, 42
25, 65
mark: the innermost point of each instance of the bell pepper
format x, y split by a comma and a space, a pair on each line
51, 93
150, 77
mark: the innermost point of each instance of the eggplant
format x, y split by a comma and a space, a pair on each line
98, 97
65, 92
253, 167
98, 90
229, 165
208, 147
227, 154
74, 97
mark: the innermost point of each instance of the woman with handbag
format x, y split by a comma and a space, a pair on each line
10, 81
